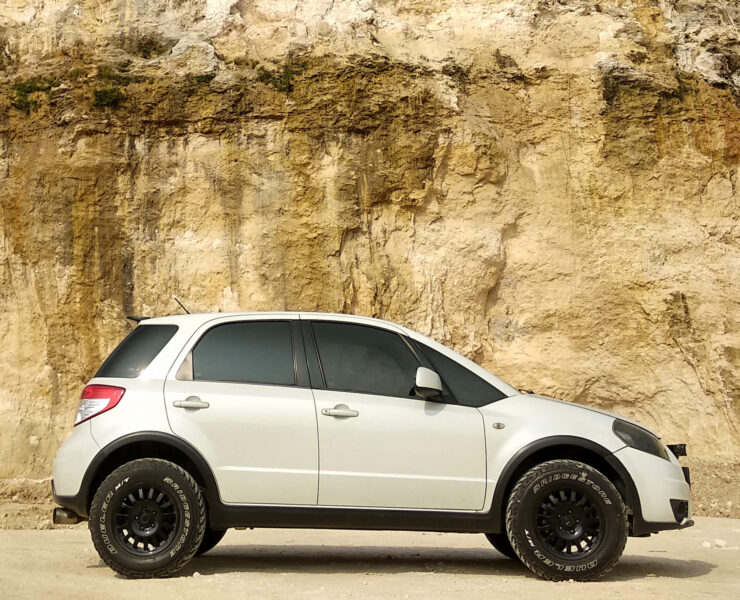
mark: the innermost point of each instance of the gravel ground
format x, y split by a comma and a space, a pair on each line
702, 562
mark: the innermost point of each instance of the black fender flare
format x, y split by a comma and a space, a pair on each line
80, 503
507, 478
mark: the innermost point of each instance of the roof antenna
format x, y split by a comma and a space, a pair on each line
181, 305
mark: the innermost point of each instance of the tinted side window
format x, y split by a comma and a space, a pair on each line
246, 352
466, 386
364, 359
136, 351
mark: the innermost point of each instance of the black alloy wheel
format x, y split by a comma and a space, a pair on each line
146, 520
569, 523
566, 520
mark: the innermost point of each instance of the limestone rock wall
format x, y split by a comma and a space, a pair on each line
549, 187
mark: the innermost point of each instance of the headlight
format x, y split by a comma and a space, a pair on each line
638, 438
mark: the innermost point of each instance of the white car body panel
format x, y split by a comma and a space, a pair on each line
271, 445
72, 459
597, 411
140, 409
657, 481
400, 453
260, 440
527, 419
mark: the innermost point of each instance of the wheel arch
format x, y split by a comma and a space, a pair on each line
564, 447
149, 444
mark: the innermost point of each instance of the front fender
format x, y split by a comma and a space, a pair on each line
523, 428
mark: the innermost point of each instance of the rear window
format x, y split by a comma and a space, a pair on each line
134, 353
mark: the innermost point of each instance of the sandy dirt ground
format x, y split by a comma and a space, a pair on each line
702, 562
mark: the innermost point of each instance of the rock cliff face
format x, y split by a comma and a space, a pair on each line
550, 187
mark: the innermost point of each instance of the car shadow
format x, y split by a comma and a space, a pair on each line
351, 559
640, 566
393, 560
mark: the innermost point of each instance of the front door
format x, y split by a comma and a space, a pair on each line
236, 400
379, 445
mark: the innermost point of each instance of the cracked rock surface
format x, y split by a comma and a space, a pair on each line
549, 187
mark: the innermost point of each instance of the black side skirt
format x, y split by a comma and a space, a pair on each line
222, 517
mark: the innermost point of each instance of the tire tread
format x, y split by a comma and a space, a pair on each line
180, 561
512, 518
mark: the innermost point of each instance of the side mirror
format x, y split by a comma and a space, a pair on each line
428, 385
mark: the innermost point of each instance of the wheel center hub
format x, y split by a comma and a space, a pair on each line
145, 518
571, 533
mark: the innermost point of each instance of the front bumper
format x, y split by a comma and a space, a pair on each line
663, 490
642, 528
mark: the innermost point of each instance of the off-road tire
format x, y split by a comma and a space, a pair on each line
501, 542
583, 544
124, 515
210, 539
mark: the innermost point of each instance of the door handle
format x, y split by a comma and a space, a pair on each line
340, 410
191, 402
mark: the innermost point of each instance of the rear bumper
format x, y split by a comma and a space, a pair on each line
70, 467
72, 460
71, 506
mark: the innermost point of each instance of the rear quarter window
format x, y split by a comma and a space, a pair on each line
136, 351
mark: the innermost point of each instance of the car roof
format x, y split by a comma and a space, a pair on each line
199, 318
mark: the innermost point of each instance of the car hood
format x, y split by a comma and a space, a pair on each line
595, 410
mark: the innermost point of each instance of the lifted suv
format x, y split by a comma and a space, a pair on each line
198, 423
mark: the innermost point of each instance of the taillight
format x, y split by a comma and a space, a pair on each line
96, 399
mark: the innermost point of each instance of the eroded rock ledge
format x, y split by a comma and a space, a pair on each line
548, 187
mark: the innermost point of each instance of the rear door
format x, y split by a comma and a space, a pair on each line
239, 394
380, 446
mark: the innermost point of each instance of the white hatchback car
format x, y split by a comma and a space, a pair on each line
198, 423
